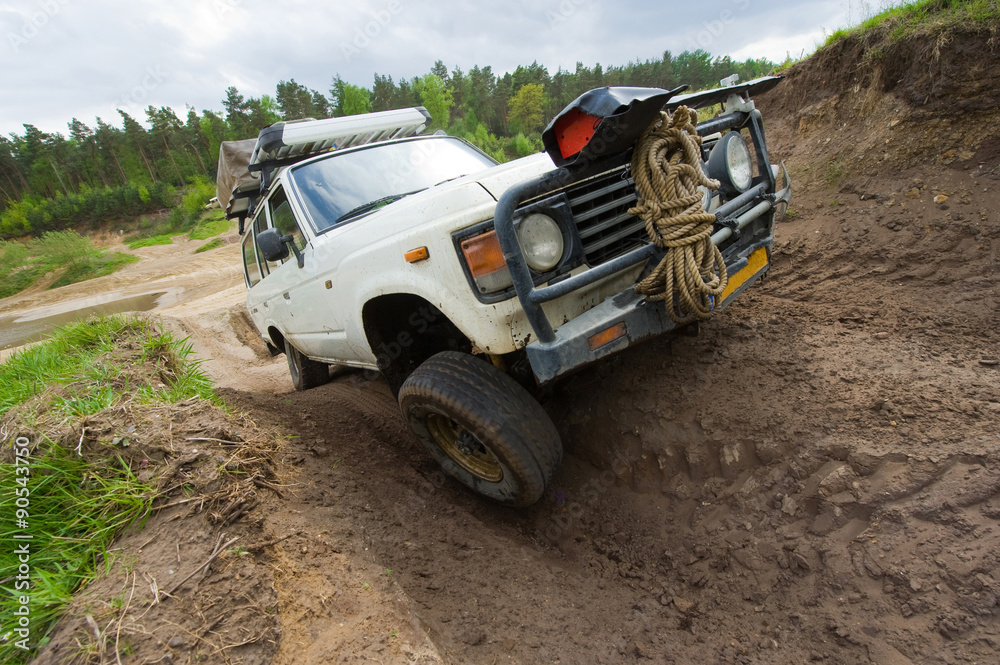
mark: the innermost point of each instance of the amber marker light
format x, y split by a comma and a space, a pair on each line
418, 254
607, 336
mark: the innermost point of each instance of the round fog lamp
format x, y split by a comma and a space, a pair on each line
731, 164
541, 242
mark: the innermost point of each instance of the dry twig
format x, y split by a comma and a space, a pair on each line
215, 554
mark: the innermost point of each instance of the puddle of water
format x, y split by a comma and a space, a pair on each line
22, 329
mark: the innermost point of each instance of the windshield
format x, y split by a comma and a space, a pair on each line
348, 185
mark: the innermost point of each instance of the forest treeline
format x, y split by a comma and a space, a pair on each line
118, 169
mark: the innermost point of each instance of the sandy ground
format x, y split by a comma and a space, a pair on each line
814, 478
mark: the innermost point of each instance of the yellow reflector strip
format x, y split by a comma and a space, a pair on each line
758, 261
418, 254
607, 336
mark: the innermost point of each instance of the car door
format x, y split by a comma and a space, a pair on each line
298, 297
252, 274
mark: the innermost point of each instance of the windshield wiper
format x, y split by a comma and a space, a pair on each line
372, 205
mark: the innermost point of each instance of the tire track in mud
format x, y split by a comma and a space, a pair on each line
822, 552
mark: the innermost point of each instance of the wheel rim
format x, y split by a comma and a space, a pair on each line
463, 447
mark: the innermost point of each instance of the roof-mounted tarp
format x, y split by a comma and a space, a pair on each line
235, 182
285, 142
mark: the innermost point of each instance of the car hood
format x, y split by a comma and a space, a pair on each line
498, 180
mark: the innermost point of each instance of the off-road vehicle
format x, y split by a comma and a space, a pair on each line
468, 284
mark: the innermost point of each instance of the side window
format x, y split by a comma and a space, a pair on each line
283, 219
251, 269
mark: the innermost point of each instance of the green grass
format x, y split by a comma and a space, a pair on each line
834, 172
79, 503
152, 241
16, 282
189, 216
77, 508
22, 264
214, 243
924, 16
99, 265
214, 225
200, 225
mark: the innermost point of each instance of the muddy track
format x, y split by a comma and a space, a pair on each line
815, 477
812, 550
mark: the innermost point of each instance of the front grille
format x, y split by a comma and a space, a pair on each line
600, 208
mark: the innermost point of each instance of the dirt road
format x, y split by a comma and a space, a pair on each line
814, 478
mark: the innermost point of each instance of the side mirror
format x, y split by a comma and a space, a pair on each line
272, 245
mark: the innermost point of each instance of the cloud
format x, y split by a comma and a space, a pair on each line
70, 58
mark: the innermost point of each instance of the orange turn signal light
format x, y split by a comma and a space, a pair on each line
483, 254
607, 336
418, 254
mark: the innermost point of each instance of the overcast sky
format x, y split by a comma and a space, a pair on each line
83, 58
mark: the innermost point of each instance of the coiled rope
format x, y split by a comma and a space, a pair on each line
667, 170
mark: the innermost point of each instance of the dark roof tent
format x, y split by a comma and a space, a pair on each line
234, 177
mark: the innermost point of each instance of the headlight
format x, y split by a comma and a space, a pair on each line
541, 242
731, 164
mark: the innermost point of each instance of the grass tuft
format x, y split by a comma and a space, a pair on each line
150, 242
214, 225
924, 17
22, 264
214, 243
81, 498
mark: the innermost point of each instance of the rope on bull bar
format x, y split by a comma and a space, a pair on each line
667, 170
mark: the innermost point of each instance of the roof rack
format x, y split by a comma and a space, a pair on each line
285, 143
293, 141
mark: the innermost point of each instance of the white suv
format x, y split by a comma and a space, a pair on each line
468, 283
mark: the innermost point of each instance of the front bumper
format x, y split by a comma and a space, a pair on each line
571, 347
750, 217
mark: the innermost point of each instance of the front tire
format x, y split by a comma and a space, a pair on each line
482, 427
305, 373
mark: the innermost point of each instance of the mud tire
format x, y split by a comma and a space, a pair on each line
305, 373
498, 427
